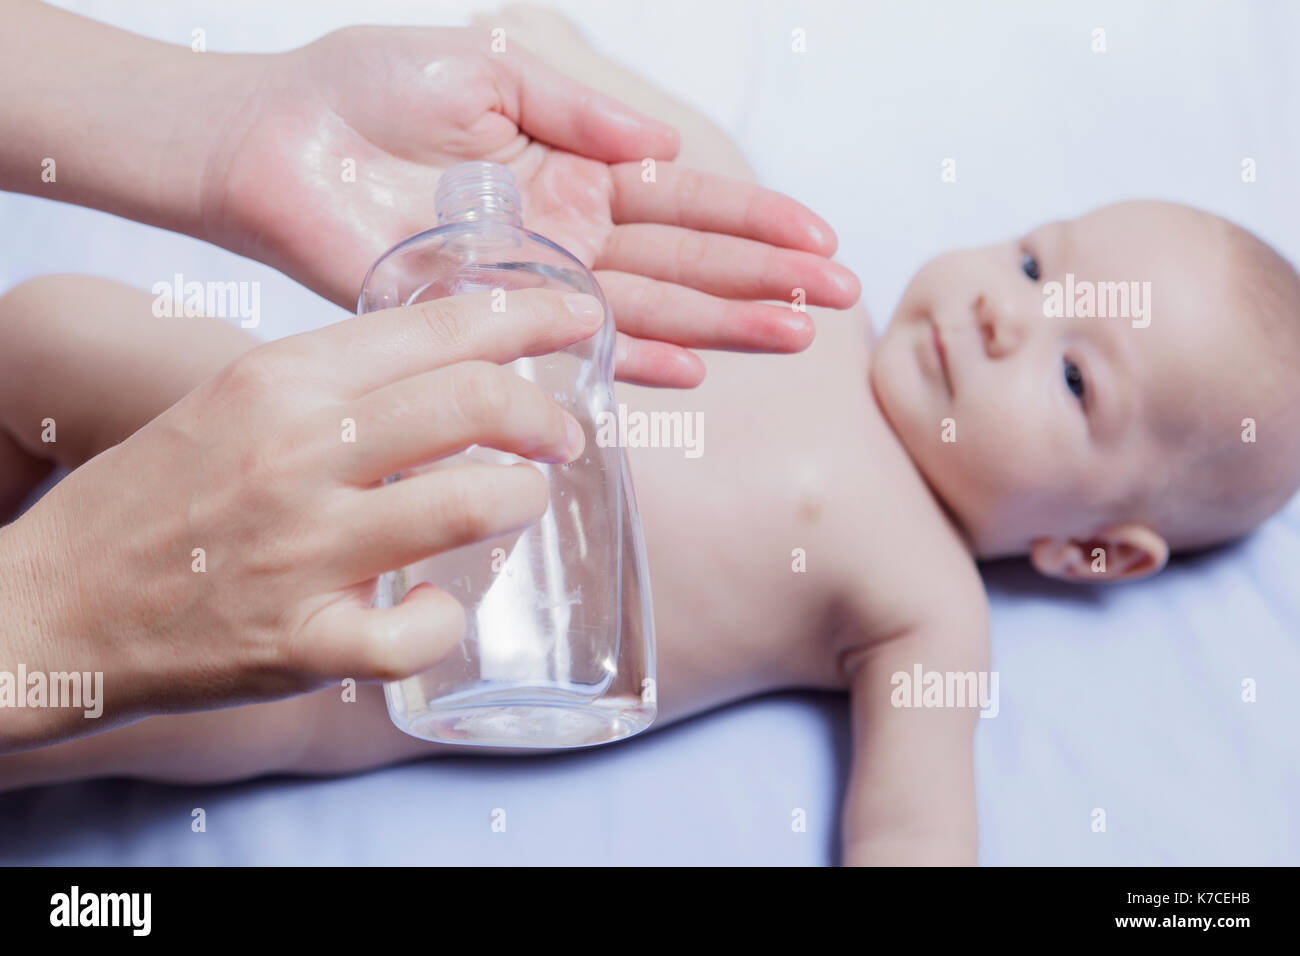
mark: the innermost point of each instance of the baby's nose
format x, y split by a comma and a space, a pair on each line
1001, 336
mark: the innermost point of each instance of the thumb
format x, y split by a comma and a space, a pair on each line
393, 643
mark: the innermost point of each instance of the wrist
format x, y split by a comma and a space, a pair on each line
148, 116
39, 640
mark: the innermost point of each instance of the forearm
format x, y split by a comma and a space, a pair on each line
918, 809
927, 820
911, 795
100, 117
51, 677
923, 849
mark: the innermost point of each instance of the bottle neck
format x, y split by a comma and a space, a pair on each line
477, 192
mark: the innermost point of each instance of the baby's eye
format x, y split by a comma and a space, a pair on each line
1029, 265
1074, 379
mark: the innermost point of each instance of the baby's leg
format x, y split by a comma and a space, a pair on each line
316, 733
83, 364
90, 354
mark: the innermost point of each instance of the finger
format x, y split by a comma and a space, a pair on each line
551, 107
435, 511
649, 309
436, 414
657, 364
727, 266
348, 640
372, 350
703, 201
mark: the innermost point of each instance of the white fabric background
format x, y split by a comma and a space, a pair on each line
1124, 699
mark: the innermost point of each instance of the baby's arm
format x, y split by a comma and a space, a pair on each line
911, 797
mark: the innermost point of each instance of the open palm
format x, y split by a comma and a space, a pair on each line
338, 153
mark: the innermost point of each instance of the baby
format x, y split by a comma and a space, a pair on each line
1097, 432
828, 536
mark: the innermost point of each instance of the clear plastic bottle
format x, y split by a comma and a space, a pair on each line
559, 650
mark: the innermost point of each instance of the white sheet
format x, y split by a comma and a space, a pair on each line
1128, 699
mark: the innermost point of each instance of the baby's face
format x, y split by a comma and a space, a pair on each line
1030, 425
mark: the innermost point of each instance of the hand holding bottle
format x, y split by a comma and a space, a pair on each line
227, 552
559, 647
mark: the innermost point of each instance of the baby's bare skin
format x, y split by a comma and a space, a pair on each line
804, 548
795, 455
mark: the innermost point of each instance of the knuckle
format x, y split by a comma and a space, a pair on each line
484, 393
466, 512
691, 193
531, 397
444, 322
253, 375
534, 315
692, 248
647, 298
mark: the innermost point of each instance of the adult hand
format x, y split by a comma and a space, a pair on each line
681, 258
256, 152
228, 551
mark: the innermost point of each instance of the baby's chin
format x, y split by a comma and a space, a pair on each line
886, 386
902, 391
914, 423
901, 401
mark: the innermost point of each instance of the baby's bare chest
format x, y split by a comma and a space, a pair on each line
780, 538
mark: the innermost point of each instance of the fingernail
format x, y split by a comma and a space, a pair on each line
574, 436
585, 308
843, 278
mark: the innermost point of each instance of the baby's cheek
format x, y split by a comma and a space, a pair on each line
1004, 461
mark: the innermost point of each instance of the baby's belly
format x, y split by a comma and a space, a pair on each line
740, 524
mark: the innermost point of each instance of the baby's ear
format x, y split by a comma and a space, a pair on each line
1120, 552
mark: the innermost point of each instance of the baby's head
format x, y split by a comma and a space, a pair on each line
1051, 426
